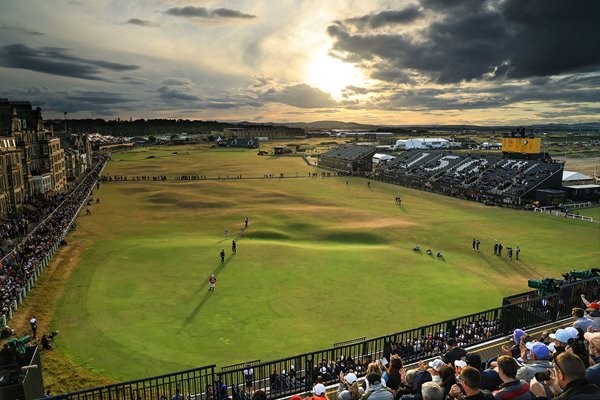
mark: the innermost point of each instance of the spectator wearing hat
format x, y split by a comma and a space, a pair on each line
540, 361
581, 321
455, 352
569, 382
348, 388
468, 386
561, 339
511, 388
593, 312
319, 392
593, 372
434, 370
376, 390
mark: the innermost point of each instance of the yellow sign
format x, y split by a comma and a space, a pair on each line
521, 145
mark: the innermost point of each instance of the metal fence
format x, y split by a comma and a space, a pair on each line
197, 383
296, 374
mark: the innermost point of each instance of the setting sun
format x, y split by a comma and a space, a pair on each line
332, 75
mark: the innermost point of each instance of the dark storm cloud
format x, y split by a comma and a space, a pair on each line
20, 30
474, 40
72, 101
170, 94
134, 80
302, 96
57, 61
142, 22
553, 94
386, 18
206, 13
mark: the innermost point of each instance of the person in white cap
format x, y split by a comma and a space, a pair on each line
434, 369
348, 388
319, 392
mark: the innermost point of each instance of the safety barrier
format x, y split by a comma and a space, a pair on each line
296, 374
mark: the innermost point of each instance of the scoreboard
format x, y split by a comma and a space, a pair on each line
521, 145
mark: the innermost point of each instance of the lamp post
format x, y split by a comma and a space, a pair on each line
65, 122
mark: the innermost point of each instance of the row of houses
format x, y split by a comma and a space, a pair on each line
33, 160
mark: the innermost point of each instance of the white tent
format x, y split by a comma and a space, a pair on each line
379, 157
572, 176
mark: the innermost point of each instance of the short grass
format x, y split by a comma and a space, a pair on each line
322, 261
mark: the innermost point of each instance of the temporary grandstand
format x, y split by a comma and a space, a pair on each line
349, 158
485, 178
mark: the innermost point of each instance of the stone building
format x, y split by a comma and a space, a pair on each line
42, 158
12, 189
78, 154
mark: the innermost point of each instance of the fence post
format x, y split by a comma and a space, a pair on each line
20, 296
3, 320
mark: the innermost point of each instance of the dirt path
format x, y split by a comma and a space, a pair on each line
61, 374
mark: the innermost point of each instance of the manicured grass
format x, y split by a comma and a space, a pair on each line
322, 261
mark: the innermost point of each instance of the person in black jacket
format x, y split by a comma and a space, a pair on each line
568, 381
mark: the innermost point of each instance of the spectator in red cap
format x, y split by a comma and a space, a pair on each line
593, 312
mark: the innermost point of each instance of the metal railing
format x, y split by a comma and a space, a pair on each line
197, 383
296, 374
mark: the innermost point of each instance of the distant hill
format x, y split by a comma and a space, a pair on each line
329, 125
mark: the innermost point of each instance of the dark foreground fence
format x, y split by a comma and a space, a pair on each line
296, 374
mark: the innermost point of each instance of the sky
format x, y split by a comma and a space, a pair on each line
487, 62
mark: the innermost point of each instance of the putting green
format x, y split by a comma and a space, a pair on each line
321, 261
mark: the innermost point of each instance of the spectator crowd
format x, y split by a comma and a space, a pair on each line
20, 260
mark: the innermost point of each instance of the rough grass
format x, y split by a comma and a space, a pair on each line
321, 262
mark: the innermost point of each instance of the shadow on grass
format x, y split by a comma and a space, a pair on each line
202, 302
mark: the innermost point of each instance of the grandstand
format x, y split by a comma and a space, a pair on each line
478, 177
348, 158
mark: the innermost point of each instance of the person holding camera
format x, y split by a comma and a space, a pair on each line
567, 381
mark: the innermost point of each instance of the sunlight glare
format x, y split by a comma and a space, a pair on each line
332, 75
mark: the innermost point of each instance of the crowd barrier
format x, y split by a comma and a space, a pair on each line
8, 315
296, 374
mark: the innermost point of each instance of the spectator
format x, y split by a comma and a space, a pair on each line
455, 352
593, 312
376, 390
448, 378
490, 380
348, 388
569, 382
540, 361
468, 386
177, 395
581, 321
259, 395
432, 391
434, 370
511, 388
593, 372
392, 376
319, 392
560, 338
